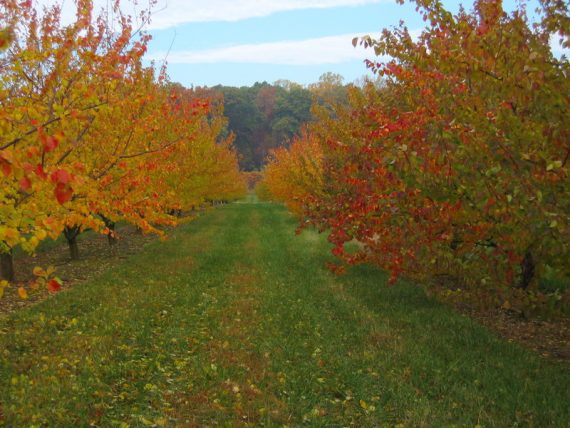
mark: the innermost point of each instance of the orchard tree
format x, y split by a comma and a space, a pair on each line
294, 175
88, 132
481, 124
457, 165
208, 167
55, 81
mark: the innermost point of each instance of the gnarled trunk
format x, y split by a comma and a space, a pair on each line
7, 266
110, 224
111, 237
71, 234
528, 268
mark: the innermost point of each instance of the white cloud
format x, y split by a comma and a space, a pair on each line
169, 13
323, 50
181, 11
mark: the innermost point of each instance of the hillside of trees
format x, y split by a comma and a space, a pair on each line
267, 116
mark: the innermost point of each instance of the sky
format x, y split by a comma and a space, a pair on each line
240, 42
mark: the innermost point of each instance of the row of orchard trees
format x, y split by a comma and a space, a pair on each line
456, 167
89, 136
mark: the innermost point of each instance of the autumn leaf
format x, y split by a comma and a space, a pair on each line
22, 293
25, 183
38, 271
39, 170
5, 164
6, 38
53, 286
60, 176
63, 193
3, 285
50, 144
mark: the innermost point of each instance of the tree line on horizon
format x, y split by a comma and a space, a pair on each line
267, 116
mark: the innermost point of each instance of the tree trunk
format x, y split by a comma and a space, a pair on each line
71, 234
7, 266
110, 224
111, 237
528, 268
73, 248
140, 230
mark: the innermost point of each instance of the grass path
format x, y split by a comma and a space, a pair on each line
234, 321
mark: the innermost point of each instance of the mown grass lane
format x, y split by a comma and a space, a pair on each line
235, 321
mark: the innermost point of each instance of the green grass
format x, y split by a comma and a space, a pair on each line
235, 321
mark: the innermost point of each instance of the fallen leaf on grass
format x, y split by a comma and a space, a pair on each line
22, 293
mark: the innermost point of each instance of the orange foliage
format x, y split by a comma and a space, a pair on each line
90, 136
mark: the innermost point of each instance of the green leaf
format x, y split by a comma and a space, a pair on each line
554, 165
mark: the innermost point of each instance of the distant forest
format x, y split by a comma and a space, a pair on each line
265, 116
